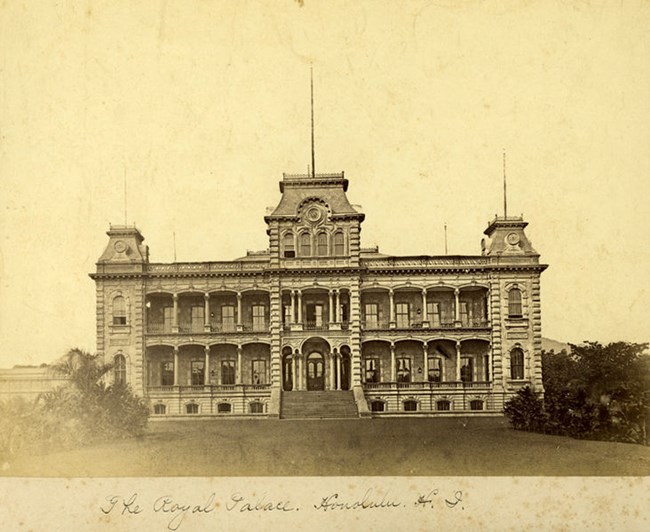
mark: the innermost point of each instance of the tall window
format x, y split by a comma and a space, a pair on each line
192, 408
464, 313
119, 369
517, 364
167, 373
372, 370
476, 404
259, 372
197, 318
402, 314
224, 408
305, 245
228, 317
119, 311
403, 370
443, 404
435, 369
198, 372
259, 321
433, 313
168, 318
159, 409
514, 303
466, 369
287, 244
227, 372
321, 244
339, 244
372, 315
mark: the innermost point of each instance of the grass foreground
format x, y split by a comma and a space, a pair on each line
347, 447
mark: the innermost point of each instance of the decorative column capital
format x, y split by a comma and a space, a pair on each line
206, 349
175, 350
456, 291
206, 296
239, 295
175, 297
424, 292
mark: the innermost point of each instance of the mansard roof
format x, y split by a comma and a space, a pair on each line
329, 188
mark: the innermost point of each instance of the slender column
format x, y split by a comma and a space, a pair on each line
331, 294
391, 305
294, 383
206, 369
339, 360
239, 362
457, 361
425, 365
393, 369
175, 314
332, 383
488, 373
425, 317
300, 306
239, 321
337, 295
206, 312
176, 372
293, 307
300, 373
457, 307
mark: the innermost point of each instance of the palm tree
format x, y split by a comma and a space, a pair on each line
83, 369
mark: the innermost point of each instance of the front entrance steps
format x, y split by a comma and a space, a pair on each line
318, 405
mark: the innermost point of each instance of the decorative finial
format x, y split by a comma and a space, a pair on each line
125, 216
446, 253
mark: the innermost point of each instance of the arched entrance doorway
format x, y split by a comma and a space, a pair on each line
315, 371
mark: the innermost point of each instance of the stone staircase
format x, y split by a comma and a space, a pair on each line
318, 405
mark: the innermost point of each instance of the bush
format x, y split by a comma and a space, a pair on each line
526, 411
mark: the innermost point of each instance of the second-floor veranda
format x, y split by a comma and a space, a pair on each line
440, 307
224, 311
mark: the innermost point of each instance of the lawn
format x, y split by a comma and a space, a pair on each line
350, 447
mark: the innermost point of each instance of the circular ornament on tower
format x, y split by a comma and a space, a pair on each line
512, 239
314, 214
120, 246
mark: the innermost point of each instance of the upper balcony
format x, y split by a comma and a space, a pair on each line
197, 313
440, 308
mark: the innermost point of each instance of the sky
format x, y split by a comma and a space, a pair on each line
202, 106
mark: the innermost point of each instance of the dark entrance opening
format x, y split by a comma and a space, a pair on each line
315, 372
345, 368
287, 369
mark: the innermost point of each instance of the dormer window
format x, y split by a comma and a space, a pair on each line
288, 246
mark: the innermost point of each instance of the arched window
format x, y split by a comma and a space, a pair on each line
339, 244
119, 311
305, 245
410, 406
159, 409
443, 405
288, 245
476, 404
377, 406
256, 407
192, 408
516, 364
514, 303
321, 244
224, 408
119, 369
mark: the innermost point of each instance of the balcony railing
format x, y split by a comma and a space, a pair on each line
311, 325
159, 328
259, 326
424, 385
191, 327
374, 324
210, 388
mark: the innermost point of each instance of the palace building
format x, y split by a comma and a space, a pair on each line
317, 325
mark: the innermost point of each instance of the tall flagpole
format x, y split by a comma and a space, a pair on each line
313, 157
505, 199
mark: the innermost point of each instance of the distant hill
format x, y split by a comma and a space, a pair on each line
548, 345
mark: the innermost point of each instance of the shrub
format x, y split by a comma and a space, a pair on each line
526, 411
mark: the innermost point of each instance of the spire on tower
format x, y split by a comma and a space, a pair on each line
313, 162
505, 198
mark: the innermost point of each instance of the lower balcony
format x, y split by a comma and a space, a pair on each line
209, 389
448, 385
